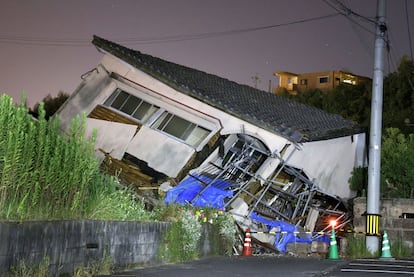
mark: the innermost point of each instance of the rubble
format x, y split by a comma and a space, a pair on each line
286, 208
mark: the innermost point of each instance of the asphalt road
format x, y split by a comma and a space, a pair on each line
240, 266
276, 266
375, 267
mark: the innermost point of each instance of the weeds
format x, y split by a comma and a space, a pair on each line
25, 270
102, 266
182, 241
357, 248
47, 175
401, 250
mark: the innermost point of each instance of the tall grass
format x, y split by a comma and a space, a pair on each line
47, 175
357, 248
24, 269
182, 241
399, 249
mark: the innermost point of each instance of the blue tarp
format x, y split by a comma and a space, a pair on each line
213, 196
288, 236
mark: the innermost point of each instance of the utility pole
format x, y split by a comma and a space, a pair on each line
256, 80
270, 86
373, 196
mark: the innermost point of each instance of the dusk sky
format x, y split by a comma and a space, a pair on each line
45, 45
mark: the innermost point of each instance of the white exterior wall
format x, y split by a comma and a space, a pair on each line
181, 103
150, 145
163, 153
329, 163
109, 138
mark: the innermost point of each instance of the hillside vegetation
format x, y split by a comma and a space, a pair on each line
47, 175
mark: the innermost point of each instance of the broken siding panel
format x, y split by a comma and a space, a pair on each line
104, 113
127, 173
199, 157
162, 153
112, 137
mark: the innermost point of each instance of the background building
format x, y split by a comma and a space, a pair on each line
324, 81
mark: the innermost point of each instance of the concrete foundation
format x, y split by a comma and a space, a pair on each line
397, 218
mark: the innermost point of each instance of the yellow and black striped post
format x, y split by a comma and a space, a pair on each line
372, 226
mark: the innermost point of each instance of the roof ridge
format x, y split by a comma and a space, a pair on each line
296, 121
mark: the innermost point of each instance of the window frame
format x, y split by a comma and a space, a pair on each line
193, 134
149, 113
325, 79
165, 118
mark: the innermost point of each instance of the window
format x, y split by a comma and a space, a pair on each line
164, 121
304, 82
323, 80
131, 105
180, 128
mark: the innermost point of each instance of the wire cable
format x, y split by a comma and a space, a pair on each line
408, 28
347, 12
44, 41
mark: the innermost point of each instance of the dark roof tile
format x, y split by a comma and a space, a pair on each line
290, 119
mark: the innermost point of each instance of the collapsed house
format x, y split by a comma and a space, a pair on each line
275, 160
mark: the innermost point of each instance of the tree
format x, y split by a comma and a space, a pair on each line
397, 164
359, 180
314, 97
399, 97
51, 104
354, 102
350, 101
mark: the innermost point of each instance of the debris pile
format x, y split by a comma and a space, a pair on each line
286, 208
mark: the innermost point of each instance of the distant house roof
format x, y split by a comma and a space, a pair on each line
292, 120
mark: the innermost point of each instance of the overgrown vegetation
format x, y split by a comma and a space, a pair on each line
182, 242
30, 270
397, 167
397, 164
101, 267
50, 105
23, 269
354, 102
401, 250
356, 248
47, 175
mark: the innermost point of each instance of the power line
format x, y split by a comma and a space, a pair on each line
45, 41
408, 27
226, 33
347, 12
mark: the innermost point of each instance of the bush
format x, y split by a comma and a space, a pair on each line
397, 167
182, 242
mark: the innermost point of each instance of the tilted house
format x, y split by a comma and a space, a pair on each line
158, 120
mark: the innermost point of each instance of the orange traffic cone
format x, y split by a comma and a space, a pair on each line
247, 247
